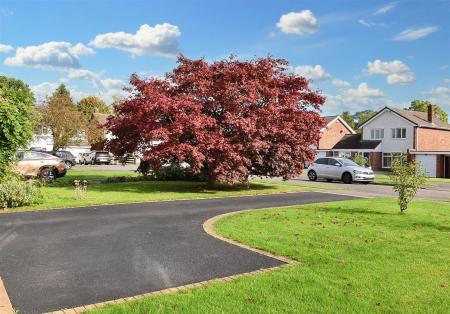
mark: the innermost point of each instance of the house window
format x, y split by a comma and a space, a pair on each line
376, 134
389, 157
398, 133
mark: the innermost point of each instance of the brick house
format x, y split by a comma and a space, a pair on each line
392, 132
331, 134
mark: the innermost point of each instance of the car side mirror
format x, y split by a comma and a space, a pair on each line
338, 164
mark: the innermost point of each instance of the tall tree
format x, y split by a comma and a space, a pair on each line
422, 105
347, 116
91, 104
17, 115
60, 116
362, 116
227, 119
92, 107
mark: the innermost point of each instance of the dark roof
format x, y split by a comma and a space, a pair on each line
353, 141
416, 117
420, 118
330, 118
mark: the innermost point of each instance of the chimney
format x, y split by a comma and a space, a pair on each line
430, 114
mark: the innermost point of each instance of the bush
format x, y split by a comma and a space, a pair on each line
175, 172
15, 192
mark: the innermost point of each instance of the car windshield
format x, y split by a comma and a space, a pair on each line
348, 162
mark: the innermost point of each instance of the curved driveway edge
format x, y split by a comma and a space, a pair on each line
70, 257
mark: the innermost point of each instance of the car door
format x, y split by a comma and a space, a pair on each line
320, 166
334, 169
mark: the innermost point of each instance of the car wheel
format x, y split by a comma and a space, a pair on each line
68, 164
47, 175
312, 176
347, 178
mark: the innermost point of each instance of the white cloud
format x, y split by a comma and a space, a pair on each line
439, 95
82, 74
160, 40
385, 9
396, 71
300, 23
5, 48
50, 56
369, 23
41, 91
444, 67
365, 23
341, 84
447, 81
415, 33
112, 83
356, 99
315, 73
46, 89
363, 91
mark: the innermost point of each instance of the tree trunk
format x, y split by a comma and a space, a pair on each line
211, 181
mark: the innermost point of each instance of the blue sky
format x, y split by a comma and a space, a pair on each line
360, 54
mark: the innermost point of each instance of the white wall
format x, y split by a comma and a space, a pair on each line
428, 163
388, 120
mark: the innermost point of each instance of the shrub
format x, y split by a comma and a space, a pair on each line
176, 172
407, 179
361, 160
15, 192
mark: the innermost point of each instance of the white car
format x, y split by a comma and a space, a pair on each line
343, 169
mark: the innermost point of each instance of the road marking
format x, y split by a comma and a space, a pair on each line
5, 303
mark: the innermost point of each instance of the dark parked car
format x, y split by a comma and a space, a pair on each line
66, 156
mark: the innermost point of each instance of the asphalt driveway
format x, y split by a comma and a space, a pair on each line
57, 259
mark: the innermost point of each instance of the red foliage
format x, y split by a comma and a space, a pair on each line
228, 119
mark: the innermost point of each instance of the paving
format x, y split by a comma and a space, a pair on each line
50, 260
439, 191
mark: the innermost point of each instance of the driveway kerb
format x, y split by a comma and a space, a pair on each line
5, 303
208, 227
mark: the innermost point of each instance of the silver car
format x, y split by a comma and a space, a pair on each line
334, 168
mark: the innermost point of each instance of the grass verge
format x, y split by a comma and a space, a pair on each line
61, 193
357, 256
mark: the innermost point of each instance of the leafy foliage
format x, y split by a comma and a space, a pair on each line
358, 118
15, 192
360, 160
61, 117
347, 116
407, 179
17, 116
91, 107
422, 105
226, 119
91, 104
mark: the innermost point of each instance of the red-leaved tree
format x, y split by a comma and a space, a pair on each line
227, 119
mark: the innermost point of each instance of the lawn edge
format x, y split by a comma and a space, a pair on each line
208, 227
5, 303
37, 210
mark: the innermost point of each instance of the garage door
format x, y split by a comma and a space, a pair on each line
428, 163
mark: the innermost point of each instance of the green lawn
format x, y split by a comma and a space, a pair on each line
61, 193
383, 178
357, 256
